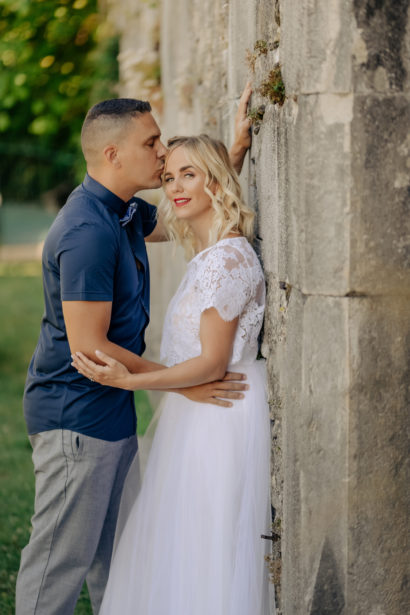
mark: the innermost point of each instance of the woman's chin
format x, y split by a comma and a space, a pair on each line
182, 212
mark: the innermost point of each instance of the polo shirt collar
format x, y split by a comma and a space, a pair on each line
108, 198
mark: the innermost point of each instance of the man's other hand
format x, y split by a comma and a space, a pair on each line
218, 392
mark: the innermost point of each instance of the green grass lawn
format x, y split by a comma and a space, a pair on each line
21, 308
22, 223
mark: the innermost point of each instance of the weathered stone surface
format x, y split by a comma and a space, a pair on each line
378, 481
313, 376
315, 46
382, 46
380, 195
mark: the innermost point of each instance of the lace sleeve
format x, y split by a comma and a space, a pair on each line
224, 281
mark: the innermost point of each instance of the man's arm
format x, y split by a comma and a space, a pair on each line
87, 324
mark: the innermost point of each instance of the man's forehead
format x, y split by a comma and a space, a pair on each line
146, 125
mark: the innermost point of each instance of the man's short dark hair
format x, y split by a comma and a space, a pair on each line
118, 107
106, 118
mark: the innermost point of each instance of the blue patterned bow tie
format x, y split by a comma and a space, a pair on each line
128, 214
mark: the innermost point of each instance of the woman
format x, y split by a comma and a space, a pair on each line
192, 543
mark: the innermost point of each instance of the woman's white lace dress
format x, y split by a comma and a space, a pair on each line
192, 543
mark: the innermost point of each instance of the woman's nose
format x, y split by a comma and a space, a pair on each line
176, 185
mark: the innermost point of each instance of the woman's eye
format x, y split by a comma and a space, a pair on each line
189, 175
168, 179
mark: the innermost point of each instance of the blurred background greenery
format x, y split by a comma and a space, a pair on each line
57, 58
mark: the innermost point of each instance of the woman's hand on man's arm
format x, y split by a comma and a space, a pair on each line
113, 373
209, 368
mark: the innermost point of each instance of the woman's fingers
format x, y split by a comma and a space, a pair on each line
244, 99
105, 358
109, 374
83, 369
86, 367
87, 362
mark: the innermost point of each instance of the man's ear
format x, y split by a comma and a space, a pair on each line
111, 155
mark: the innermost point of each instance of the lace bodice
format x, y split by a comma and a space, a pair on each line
228, 277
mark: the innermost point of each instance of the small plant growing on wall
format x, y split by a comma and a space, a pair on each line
260, 48
273, 87
255, 115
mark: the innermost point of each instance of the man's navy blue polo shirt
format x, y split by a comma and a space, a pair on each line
89, 256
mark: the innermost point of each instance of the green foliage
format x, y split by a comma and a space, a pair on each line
273, 87
57, 57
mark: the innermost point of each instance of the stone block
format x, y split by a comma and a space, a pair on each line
315, 454
341, 374
380, 201
242, 33
315, 46
303, 191
307, 338
378, 442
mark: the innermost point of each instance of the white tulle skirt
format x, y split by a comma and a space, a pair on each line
192, 542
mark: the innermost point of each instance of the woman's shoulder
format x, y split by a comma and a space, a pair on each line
230, 252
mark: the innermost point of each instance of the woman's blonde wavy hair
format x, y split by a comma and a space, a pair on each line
230, 212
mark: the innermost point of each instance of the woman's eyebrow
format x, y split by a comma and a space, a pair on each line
188, 166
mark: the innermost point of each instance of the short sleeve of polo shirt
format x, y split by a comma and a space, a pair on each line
87, 258
148, 215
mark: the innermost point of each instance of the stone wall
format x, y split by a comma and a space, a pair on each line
328, 174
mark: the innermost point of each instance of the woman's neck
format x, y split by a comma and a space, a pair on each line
201, 228
204, 242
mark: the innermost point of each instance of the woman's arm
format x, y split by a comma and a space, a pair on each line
243, 138
216, 335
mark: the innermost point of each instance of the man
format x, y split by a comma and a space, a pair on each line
96, 289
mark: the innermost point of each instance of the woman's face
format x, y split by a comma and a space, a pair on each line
184, 187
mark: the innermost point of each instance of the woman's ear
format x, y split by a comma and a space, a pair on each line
214, 187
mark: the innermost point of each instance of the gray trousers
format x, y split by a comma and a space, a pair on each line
79, 481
